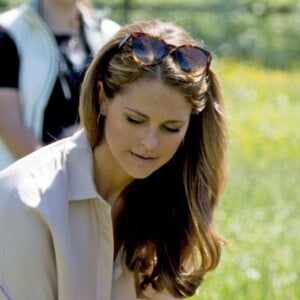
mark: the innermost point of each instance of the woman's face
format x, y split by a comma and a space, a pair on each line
145, 124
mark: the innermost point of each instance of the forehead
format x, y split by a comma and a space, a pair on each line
154, 98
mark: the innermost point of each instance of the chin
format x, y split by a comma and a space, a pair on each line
140, 174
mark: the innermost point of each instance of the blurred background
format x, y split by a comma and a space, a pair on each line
256, 47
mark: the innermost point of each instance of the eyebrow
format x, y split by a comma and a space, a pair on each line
146, 117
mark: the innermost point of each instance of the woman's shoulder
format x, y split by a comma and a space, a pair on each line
46, 169
34, 188
34, 164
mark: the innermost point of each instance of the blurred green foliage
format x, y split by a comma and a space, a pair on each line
264, 31
5, 4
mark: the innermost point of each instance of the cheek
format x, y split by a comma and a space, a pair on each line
113, 131
171, 144
117, 132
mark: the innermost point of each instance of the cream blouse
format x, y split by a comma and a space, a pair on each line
56, 235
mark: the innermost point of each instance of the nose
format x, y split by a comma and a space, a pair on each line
150, 139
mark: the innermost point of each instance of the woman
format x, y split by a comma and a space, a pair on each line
123, 209
45, 47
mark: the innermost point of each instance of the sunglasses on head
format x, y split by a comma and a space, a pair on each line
149, 50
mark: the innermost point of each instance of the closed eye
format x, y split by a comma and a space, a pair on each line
171, 129
134, 120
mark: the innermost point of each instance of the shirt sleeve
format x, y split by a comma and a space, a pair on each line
9, 61
3, 296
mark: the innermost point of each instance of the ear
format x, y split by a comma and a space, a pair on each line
103, 102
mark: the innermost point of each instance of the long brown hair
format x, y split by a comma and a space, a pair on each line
167, 228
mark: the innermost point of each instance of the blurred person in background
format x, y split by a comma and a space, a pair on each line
45, 46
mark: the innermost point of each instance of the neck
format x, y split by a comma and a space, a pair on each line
60, 18
111, 182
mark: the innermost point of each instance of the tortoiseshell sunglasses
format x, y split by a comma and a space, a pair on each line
149, 50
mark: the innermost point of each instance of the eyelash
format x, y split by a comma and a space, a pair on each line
133, 121
137, 122
172, 130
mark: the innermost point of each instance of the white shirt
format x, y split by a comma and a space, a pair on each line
56, 235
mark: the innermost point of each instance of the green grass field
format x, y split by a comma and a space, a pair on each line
259, 212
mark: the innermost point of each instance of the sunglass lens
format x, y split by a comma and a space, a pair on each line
191, 59
149, 50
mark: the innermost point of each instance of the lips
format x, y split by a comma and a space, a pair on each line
142, 157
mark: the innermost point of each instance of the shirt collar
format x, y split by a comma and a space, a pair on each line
79, 158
